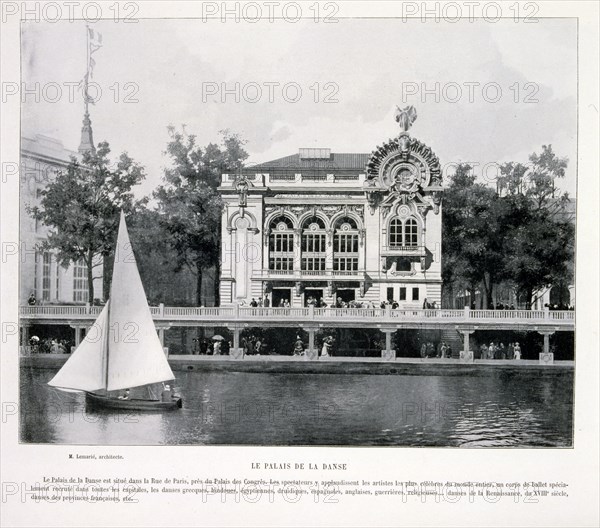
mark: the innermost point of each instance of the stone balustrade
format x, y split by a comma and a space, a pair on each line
365, 317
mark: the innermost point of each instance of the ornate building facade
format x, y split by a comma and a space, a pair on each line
41, 275
349, 227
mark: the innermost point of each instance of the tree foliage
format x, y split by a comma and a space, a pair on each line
189, 203
514, 234
81, 208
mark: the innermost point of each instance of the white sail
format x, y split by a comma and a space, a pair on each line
135, 354
85, 369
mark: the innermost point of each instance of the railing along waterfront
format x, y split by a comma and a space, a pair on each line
249, 313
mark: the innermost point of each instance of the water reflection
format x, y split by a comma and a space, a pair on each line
494, 408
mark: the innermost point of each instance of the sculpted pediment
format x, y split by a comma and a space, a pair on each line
403, 169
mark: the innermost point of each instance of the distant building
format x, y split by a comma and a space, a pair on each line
40, 273
350, 226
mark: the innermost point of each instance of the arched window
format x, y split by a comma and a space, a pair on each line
395, 236
313, 244
281, 244
345, 245
411, 233
403, 233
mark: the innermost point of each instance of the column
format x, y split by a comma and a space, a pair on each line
297, 252
329, 250
25, 334
161, 334
236, 337
236, 352
25, 347
77, 334
311, 352
546, 357
466, 355
388, 354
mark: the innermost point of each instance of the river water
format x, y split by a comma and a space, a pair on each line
492, 407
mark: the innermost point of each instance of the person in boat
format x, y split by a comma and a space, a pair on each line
125, 395
166, 395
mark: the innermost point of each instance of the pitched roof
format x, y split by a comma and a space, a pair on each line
344, 161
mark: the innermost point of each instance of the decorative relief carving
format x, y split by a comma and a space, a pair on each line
403, 170
328, 210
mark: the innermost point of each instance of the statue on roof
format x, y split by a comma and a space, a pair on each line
241, 186
405, 117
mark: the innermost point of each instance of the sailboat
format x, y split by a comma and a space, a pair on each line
121, 351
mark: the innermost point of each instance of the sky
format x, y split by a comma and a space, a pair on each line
518, 86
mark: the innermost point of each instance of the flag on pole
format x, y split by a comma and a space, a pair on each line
95, 43
95, 40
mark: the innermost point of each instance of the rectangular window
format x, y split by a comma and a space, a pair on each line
36, 272
395, 236
57, 281
345, 264
80, 282
415, 294
313, 263
403, 294
345, 252
281, 249
312, 243
390, 294
46, 261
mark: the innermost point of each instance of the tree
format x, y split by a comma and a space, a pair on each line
471, 234
546, 167
514, 235
512, 178
539, 245
82, 206
189, 203
536, 181
538, 252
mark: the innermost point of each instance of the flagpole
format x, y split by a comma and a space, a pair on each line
87, 67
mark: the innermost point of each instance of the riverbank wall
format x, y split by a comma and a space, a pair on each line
332, 365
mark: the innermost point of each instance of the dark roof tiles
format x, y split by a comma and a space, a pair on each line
335, 162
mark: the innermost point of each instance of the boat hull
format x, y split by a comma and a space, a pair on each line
133, 404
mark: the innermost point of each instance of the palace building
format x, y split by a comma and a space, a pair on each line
41, 275
350, 226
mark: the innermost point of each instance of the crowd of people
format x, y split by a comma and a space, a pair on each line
253, 345
561, 306
215, 347
326, 346
499, 351
319, 302
430, 350
494, 350
49, 345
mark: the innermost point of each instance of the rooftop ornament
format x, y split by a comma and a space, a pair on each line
403, 169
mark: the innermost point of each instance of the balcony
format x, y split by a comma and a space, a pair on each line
523, 320
403, 251
300, 275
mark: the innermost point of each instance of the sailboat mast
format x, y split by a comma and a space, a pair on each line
106, 345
